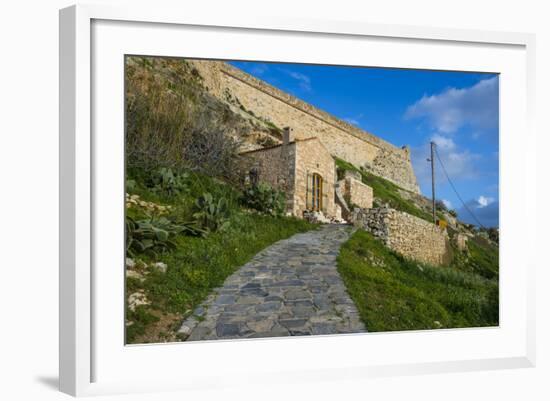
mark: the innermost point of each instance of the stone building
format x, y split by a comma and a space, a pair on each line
305, 171
302, 168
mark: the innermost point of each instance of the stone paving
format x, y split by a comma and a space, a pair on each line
290, 288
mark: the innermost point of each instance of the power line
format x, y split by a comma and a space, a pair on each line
456, 192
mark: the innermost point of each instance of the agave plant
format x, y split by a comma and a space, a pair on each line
212, 215
264, 199
155, 235
167, 181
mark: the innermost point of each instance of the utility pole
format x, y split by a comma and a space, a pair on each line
431, 159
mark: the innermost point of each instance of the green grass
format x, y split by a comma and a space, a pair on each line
481, 258
393, 293
199, 264
385, 190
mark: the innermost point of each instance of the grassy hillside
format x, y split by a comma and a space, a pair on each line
481, 258
393, 293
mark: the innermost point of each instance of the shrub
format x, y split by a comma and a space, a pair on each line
154, 235
493, 234
266, 141
130, 185
171, 120
159, 109
265, 199
212, 214
164, 180
210, 150
453, 213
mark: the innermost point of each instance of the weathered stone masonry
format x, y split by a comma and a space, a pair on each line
408, 235
340, 138
355, 192
290, 166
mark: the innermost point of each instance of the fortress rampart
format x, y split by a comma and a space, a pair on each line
343, 140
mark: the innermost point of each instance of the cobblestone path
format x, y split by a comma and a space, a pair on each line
290, 288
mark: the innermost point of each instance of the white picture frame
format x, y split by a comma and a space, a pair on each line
88, 366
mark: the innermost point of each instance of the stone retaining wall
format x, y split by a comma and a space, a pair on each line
357, 193
406, 234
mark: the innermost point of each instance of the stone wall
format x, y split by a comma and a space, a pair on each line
341, 139
357, 193
275, 166
408, 235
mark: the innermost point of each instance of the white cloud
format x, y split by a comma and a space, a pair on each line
476, 106
352, 121
459, 163
484, 201
447, 203
304, 81
487, 215
443, 143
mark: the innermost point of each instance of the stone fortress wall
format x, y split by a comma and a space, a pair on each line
342, 139
408, 235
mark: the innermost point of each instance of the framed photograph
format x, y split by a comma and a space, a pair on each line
257, 199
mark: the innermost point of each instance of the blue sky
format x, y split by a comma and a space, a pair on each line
456, 110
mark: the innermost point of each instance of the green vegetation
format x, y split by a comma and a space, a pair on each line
172, 121
265, 199
384, 190
393, 293
154, 235
266, 141
166, 181
198, 261
481, 258
212, 214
